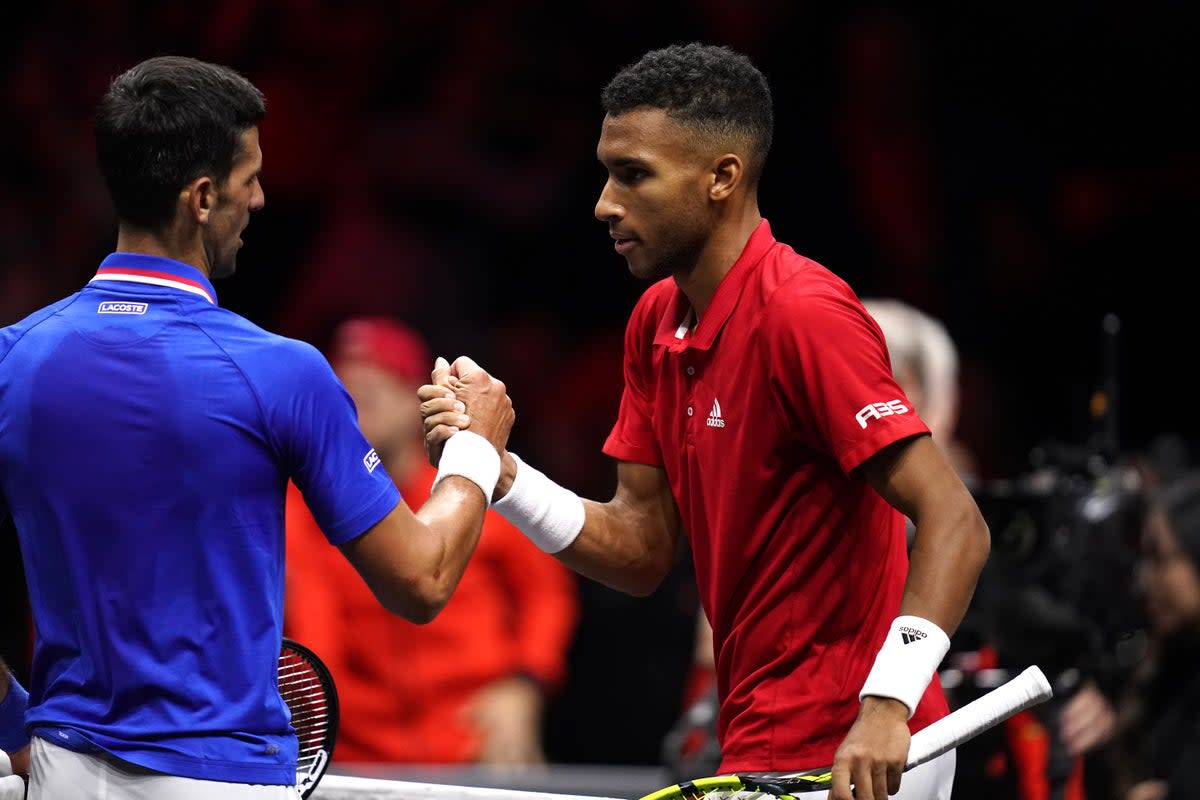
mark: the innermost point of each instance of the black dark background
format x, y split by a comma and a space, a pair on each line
1018, 171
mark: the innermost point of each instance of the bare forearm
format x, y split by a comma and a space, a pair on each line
949, 551
412, 563
952, 539
625, 550
453, 517
457, 507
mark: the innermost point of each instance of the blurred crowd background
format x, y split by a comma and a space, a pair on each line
1018, 172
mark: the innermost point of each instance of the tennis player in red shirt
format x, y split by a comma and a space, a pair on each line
759, 416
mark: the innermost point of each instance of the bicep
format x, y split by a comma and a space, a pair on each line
913, 475
643, 497
384, 556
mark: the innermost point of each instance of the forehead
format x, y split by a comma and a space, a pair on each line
646, 135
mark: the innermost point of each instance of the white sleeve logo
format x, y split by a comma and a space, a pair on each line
879, 411
371, 460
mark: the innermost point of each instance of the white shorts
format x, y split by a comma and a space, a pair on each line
56, 773
12, 787
932, 780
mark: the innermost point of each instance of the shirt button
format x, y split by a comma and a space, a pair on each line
689, 411
691, 370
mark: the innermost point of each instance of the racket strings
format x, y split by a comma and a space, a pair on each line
304, 692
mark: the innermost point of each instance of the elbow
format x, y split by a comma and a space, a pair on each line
418, 601
644, 577
638, 576
643, 589
421, 614
980, 542
644, 584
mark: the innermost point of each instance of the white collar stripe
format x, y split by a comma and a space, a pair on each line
124, 276
682, 330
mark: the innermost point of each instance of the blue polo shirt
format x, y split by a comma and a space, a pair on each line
146, 440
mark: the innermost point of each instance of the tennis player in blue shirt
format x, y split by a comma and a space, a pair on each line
147, 437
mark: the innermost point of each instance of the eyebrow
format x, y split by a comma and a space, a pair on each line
627, 161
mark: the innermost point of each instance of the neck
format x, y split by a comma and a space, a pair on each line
718, 256
170, 243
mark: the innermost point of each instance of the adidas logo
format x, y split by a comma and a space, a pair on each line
714, 416
910, 635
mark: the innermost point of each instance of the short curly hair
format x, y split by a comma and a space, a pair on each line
714, 89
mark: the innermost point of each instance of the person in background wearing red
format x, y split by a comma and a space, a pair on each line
470, 686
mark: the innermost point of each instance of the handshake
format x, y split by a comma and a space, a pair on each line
463, 395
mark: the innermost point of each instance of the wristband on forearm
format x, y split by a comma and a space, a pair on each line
549, 515
474, 458
911, 653
12, 716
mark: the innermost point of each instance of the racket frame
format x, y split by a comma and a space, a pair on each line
306, 781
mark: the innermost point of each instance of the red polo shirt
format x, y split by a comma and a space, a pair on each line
758, 418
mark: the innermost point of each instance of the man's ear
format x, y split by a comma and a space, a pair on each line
198, 198
728, 172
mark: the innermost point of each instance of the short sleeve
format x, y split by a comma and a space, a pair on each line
829, 363
632, 436
315, 423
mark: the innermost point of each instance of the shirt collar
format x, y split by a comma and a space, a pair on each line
673, 327
157, 271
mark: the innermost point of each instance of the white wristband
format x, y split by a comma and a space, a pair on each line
911, 653
473, 457
549, 515
5, 764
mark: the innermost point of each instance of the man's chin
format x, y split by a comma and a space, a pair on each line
647, 272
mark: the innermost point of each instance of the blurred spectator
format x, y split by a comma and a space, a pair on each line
925, 363
469, 686
1089, 718
1156, 746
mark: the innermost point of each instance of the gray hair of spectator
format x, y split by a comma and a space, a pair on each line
917, 341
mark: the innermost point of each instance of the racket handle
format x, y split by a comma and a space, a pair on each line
1025, 690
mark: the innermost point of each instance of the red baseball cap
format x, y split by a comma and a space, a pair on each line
384, 342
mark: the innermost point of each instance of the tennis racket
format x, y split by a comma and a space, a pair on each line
308, 689
1025, 690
